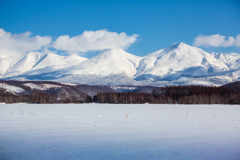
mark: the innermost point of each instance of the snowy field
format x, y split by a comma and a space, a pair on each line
116, 131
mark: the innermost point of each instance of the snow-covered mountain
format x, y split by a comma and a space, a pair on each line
113, 61
35, 63
5, 63
179, 60
177, 64
232, 60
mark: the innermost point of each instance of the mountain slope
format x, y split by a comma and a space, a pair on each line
180, 58
52, 92
5, 63
114, 61
232, 60
234, 85
35, 63
24, 64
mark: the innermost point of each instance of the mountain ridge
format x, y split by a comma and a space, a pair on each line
114, 61
175, 65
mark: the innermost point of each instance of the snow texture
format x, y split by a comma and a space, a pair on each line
116, 131
41, 86
69, 84
114, 61
11, 89
35, 63
123, 88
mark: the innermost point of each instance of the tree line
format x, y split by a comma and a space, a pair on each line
160, 95
42, 98
174, 95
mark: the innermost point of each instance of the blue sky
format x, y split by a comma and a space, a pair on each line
157, 23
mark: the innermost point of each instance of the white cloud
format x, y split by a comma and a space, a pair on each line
217, 40
15, 45
94, 40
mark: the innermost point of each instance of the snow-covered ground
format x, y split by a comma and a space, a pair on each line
10, 88
116, 131
41, 86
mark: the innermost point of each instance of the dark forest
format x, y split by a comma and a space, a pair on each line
227, 94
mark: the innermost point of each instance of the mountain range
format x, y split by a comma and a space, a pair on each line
178, 64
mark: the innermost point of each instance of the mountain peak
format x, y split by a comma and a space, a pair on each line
171, 47
178, 45
114, 53
34, 54
111, 61
114, 50
181, 44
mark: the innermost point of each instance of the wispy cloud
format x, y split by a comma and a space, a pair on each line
217, 40
94, 40
15, 45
